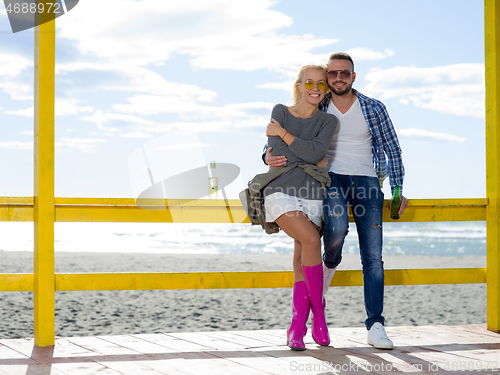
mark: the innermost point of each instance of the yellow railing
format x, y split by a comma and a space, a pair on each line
43, 209
215, 211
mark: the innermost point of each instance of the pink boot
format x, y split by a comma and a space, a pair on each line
300, 313
314, 282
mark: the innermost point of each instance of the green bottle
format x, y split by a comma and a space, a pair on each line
395, 203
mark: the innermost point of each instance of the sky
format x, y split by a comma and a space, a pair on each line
171, 85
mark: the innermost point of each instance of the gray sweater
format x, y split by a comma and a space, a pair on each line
312, 138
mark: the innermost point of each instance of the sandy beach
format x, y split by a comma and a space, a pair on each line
127, 312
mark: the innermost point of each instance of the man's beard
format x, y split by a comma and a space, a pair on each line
342, 91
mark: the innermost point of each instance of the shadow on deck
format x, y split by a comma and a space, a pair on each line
470, 349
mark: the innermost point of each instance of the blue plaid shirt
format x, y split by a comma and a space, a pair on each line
386, 151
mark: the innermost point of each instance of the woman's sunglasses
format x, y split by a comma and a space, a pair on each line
309, 84
344, 74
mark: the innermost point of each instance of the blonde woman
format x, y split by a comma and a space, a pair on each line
294, 200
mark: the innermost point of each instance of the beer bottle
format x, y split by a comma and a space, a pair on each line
395, 203
213, 182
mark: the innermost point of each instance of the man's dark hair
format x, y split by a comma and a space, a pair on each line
341, 56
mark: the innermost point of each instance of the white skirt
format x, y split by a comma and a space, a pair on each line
278, 204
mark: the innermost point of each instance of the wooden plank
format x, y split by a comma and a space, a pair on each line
137, 344
203, 338
86, 201
461, 334
315, 359
234, 280
14, 362
10, 212
263, 279
36, 369
245, 341
101, 347
10, 356
43, 208
264, 336
492, 80
174, 344
79, 354
215, 211
430, 210
169, 362
258, 361
435, 276
479, 330
209, 364
419, 349
16, 282
176, 365
17, 200
119, 358
184, 280
176, 214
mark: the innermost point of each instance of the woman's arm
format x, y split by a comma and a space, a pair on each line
313, 151
275, 128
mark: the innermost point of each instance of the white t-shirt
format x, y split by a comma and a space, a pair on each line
350, 152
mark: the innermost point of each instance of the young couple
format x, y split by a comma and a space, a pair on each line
331, 129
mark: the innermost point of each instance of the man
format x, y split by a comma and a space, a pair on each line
364, 149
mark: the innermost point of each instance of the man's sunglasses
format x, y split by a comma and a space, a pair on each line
309, 84
344, 74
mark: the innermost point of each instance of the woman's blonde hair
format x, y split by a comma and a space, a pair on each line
296, 94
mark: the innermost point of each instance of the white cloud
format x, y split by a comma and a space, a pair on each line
453, 89
356, 53
230, 117
66, 107
149, 129
413, 132
220, 34
16, 90
137, 79
136, 134
184, 146
102, 120
13, 64
210, 126
26, 132
153, 104
63, 107
16, 145
65, 144
28, 112
285, 86
269, 51
362, 53
79, 144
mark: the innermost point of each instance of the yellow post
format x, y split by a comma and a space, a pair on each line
492, 62
43, 213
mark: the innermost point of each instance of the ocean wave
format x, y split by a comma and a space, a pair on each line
454, 238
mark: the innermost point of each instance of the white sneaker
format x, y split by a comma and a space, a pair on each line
378, 338
327, 277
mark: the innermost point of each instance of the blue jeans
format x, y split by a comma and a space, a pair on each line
366, 199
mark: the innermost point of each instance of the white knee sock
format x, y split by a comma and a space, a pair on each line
327, 277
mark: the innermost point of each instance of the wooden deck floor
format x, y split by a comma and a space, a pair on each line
419, 350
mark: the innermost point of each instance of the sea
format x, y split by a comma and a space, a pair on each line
400, 238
